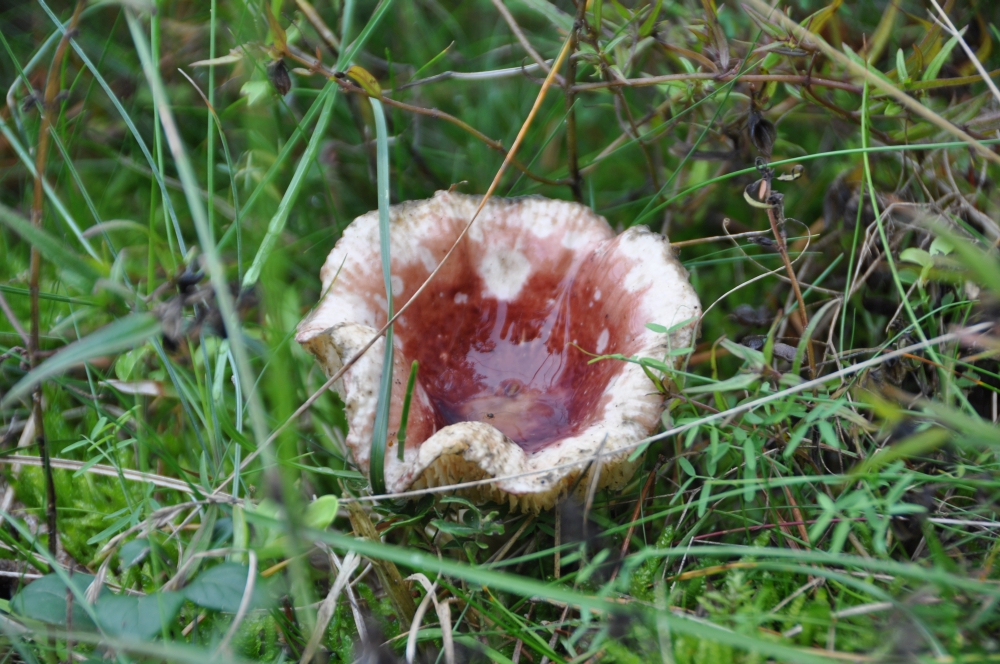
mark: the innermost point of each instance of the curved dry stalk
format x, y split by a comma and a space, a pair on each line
647, 81
52, 85
101, 469
772, 217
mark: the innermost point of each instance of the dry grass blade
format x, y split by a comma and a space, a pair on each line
325, 613
241, 612
444, 618
101, 469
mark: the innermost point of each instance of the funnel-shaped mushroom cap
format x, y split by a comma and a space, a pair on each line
504, 386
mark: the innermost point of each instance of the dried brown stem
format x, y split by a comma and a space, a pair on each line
650, 481
765, 192
571, 148
37, 210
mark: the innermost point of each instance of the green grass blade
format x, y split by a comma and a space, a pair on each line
50, 247
381, 430
124, 333
280, 218
216, 271
405, 415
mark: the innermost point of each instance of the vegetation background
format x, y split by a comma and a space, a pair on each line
172, 170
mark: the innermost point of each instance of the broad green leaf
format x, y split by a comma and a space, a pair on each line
915, 255
255, 91
130, 331
941, 246
755, 358
52, 249
221, 588
44, 600
687, 467
321, 512
137, 617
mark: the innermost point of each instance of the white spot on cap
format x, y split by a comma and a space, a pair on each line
602, 340
505, 272
426, 258
397, 285
597, 294
574, 240
461, 298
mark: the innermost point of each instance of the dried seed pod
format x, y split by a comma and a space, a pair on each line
277, 73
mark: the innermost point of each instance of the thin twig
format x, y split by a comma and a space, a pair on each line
525, 44
779, 238
37, 210
571, 146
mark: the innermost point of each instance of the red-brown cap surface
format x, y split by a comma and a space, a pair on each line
505, 388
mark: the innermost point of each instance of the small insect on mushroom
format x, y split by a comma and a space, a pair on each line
508, 330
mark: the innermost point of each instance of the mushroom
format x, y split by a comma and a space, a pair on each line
505, 335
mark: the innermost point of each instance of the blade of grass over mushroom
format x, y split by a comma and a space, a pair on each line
381, 430
405, 415
124, 333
